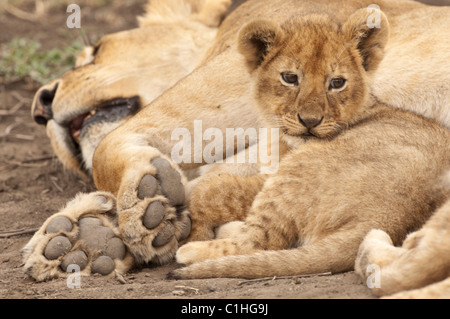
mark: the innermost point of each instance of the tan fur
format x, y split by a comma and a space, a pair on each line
411, 76
207, 12
422, 260
220, 199
199, 95
366, 166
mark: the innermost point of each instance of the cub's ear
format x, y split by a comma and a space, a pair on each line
369, 29
256, 39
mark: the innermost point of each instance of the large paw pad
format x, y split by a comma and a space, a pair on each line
157, 221
85, 235
170, 180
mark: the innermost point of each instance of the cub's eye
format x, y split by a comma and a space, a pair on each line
290, 78
337, 83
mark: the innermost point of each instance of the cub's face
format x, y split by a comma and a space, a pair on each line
311, 74
312, 87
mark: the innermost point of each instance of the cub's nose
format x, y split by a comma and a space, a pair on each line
310, 122
41, 109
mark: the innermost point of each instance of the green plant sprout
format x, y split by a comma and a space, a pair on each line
21, 58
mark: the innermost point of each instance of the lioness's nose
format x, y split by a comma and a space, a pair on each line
41, 109
310, 122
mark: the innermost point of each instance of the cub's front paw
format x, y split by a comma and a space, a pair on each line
197, 251
190, 253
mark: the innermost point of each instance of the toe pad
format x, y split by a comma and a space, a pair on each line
170, 181
57, 247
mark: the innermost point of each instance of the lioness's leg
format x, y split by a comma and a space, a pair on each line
83, 237
151, 203
135, 162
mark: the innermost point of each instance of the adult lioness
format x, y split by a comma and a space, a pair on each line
111, 82
221, 99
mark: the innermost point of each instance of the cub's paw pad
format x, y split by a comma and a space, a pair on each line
103, 265
83, 235
147, 187
155, 221
185, 226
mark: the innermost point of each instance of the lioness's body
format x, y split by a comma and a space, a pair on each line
412, 56
413, 75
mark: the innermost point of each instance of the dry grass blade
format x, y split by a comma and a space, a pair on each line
282, 277
18, 135
39, 11
12, 111
17, 232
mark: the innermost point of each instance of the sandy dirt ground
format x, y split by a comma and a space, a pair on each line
34, 185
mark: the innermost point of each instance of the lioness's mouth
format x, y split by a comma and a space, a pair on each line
108, 111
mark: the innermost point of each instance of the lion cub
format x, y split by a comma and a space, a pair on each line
355, 164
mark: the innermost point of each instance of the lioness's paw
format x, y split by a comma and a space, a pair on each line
83, 237
152, 214
376, 249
